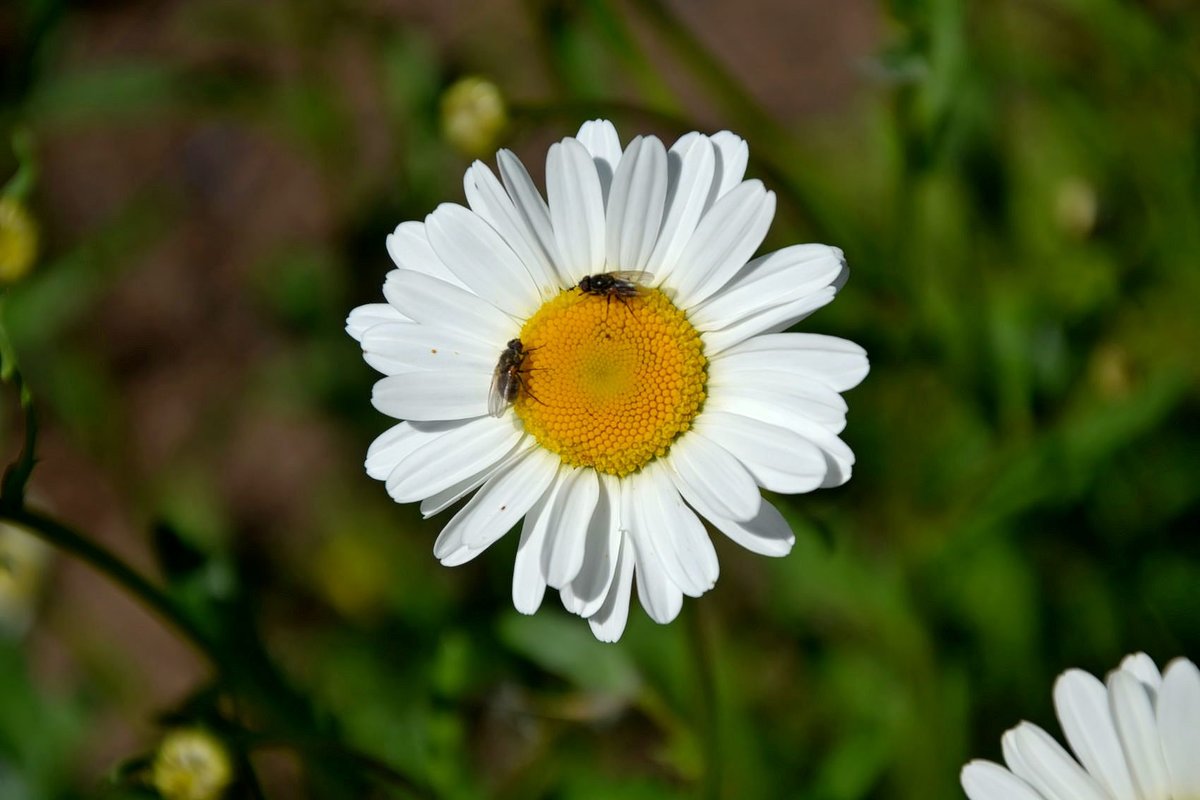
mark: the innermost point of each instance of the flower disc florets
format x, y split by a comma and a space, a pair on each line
610, 383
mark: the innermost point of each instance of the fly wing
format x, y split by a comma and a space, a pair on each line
497, 404
640, 276
631, 282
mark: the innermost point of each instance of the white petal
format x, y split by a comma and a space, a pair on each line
1133, 714
772, 280
363, 318
394, 347
733, 154
489, 200
396, 444
409, 248
1033, 755
763, 394
1144, 669
576, 209
391, 446
481, 259
652, 527
690, 165
608, 623
779, 459
983, 780
529, 581
635, 204
768, 534
562, 556
442, 395
786, 315
459, 557
1082, 705
530, 206
498, 504
657, 593
528, 586
675, 534
1179, 726
724, 241
600, 138
690, 539
838, 363
430, 301
453, 456
440, 501
711, 479
839, 459
587, 591
773, 319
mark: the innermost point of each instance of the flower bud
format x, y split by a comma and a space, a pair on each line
18, 240
1076, 207
23, 565
191, 764
474, 116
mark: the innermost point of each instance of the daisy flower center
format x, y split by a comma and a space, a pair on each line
610, 382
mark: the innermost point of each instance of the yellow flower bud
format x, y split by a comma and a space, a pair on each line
1112, 371
474, 116
18, 240
1076, 207
191, 764
23, 564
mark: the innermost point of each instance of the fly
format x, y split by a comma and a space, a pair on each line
622, 285
507, 380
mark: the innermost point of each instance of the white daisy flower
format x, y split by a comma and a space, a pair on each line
639, 347
1138, 738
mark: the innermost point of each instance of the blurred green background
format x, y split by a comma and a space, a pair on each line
1017, 189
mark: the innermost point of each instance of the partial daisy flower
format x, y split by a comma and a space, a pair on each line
608, 365
1136, 738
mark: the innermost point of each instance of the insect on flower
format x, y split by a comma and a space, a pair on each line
621, 284
506, 379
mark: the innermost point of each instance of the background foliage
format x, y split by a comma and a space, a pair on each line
1016, 186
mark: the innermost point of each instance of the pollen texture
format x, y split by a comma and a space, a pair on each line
609, 383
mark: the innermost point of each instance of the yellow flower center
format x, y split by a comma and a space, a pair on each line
609, 383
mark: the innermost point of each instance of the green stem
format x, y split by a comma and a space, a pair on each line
703, 654
8, 356
21, 184
66, 538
